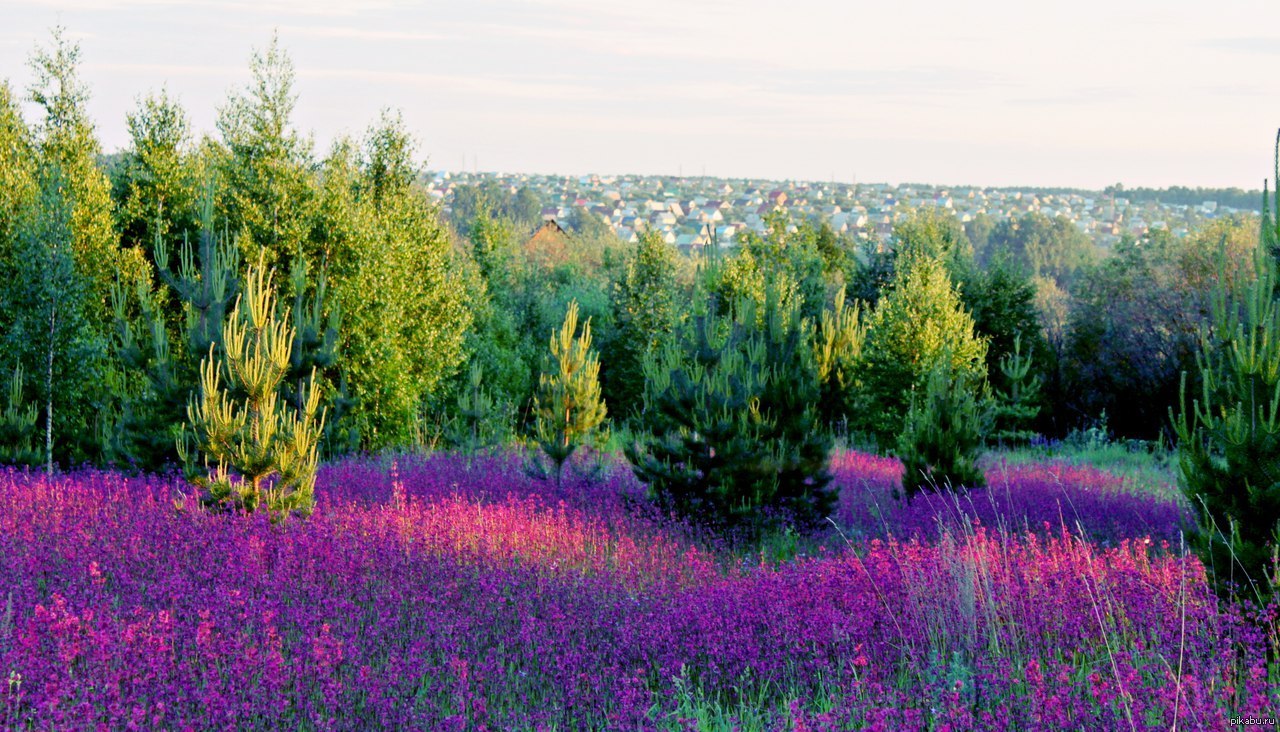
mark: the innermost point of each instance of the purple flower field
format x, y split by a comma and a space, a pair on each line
433, 594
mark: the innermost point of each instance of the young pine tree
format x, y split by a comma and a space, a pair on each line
18, 426
1229, 436
480, 421
258, 451
1016, 407
837, 348
166, 349
567, 407
944, 431
731, 435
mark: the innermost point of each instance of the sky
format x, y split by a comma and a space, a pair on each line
1084, 93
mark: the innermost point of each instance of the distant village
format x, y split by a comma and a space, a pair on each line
695, 212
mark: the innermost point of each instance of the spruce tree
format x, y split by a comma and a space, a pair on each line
1229, 434
256, 450
567, 407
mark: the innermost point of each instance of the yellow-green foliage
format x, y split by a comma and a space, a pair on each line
258, 452
568, 407
918, 324
837, 348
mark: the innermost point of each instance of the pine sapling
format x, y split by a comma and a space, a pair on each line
568, 407
258, 451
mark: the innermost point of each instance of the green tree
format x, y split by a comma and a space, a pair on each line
933, 233
267, 193
257, 451
58, 256
156, 188
568, 407
1042, 246
837, 350
401, 290
480, 422
730, 432
944, 431
647, 312
1003, 304
1229, 435
919, 323
1018, 403
165, 350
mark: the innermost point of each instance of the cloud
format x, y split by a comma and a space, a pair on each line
1084, 96
1246, 44
296, 7
358, 34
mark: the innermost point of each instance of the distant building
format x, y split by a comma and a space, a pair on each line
548, 245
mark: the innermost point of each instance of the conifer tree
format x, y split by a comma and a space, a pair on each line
731, 436
17, 425
567, 407
1017, 406
943, 432
647, 313
166, 351
1229, 434
257, 451
480, 421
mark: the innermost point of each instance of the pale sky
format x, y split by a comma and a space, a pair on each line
1029, 92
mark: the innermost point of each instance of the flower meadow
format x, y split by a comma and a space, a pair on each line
446, 593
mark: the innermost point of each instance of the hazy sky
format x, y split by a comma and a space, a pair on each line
1039, 92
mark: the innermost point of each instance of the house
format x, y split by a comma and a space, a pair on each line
548, 246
